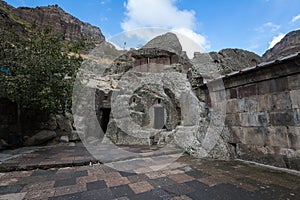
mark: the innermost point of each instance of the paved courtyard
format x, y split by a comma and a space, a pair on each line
71, 172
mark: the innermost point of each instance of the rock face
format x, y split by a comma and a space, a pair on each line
8, 21
54, 18
146, 98
288, 45
168, 41
212, 65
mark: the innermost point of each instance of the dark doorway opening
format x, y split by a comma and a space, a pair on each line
159, 118
104, 118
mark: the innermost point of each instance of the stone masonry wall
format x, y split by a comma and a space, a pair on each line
262, 121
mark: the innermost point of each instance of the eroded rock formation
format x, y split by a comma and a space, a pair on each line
288, 45
53, 18
145, 97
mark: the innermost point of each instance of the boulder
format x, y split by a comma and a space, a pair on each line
51, 124
168, 42
64, 123
64, 139
40, 138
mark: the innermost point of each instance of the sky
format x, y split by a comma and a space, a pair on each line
254, 25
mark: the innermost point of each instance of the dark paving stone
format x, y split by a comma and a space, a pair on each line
223, 192
164, 181
197, 185
60, 176
96, 185
80, 173
179, 189
126, 174
162, 194
32, 179
121, 191
102, 194
44, 172
67, 197
145, 196
197, 174
10, 189
65, 182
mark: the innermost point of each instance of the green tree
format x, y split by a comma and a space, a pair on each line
40, 75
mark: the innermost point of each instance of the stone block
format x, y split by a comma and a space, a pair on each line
232, 120
263, 119
232, 106
283, 118
232, 93
254, 119
281, 84
251, 104
294, 137
297, 117
281, 101
294, 82
278, 136
241, 105
295, 98
266, 87
264, 102
236, 135
246, 91
255, 136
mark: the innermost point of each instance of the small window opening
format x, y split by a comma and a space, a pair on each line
133, 99
253, 62
159, 101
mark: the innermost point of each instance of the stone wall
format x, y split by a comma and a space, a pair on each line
262, 121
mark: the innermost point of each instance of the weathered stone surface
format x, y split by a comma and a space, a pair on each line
295, 98
64, 139
64, 122
61, 23
288, 45
294, 82
283, 118
211, 65
40, 138
51, 124
278, 136
168, 41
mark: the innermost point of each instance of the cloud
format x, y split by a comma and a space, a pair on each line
268, 27
275, 40
103, 2
295, 18
161, 14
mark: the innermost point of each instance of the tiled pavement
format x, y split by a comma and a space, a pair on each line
184, 178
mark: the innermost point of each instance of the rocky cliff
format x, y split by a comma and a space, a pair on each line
53, 18
213, 64
288, 45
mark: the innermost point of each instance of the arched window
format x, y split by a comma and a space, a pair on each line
253, 62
